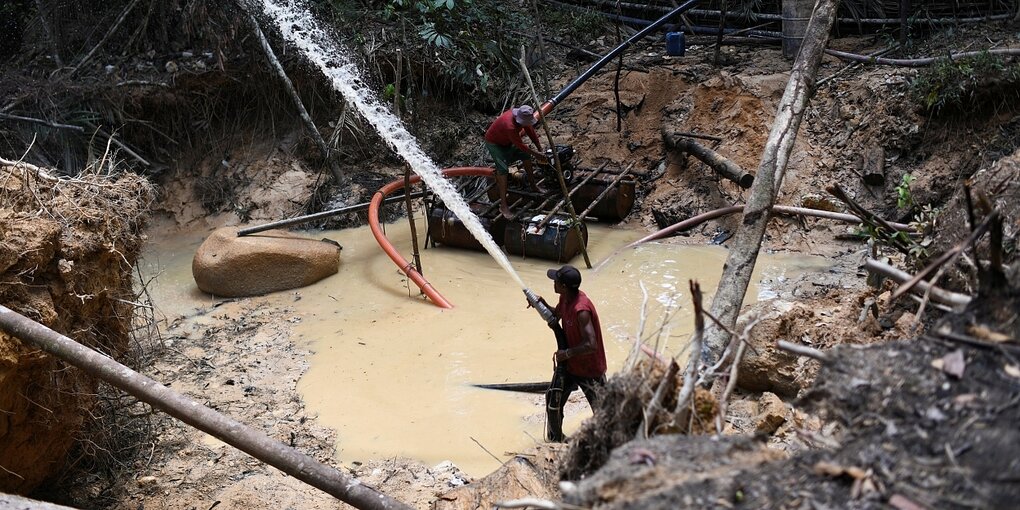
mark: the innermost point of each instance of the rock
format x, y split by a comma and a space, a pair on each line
771, 413
231, 266
518, 478
765, 367
820, 202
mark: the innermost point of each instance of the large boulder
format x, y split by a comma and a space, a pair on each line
231, 266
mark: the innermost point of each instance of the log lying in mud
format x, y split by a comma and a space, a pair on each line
714, 160
938, 294
190, 411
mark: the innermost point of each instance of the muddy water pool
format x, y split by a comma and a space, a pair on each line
393, 374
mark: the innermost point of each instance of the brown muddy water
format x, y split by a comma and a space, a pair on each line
393, 374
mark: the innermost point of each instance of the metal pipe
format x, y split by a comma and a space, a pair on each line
559, 97
778, 209
190, 411
606, 191
319, 215
562, 202
777, 17
669, 26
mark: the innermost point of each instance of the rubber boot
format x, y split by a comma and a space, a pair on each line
554, 400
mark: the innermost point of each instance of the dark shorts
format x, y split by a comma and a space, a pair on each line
504, 156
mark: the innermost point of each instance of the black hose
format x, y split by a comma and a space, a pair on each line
616, 51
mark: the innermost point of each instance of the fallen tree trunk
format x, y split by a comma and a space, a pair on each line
737, 271
713, 159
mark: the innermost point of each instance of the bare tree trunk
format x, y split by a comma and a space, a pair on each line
341, 179
50, 34
737, 270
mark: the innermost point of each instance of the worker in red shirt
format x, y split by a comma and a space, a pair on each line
503, 139
581, 363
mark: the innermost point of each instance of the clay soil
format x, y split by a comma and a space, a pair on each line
878, 426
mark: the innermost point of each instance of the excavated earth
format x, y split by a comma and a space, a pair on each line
882, 423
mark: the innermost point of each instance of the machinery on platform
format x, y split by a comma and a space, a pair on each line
538, 227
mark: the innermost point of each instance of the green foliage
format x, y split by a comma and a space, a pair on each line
576, 26
962, 84
466, 45
924, 223
904, 199
914, 246
430, 35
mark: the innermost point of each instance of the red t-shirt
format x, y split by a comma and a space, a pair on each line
586, 365
504, 132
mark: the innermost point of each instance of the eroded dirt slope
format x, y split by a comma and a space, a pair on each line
66, 261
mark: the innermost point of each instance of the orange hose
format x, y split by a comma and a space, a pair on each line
387, 246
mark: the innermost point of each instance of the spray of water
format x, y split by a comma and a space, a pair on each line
300, 29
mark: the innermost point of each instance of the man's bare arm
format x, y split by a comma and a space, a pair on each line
588, 344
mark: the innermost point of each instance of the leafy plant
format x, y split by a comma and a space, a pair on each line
924, 223
431, 36
904, 199
576, 26
914, 245
962, 84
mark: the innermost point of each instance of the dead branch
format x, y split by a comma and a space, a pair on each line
128, 150
948, 256
113, 28
697, 135
655, 404
694, 362
338, 175
543, 504
946, 334
883, 229
47, 123
605, 192
777, 209
730, 385
563, 201
855, 65
694, 221
714, 160
995, 247
938, 294
803, 350
559, 167
633, 356
38, 171
48, 30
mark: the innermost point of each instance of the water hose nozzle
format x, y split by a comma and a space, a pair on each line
544, 311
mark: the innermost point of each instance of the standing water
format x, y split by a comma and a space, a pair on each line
300, 29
